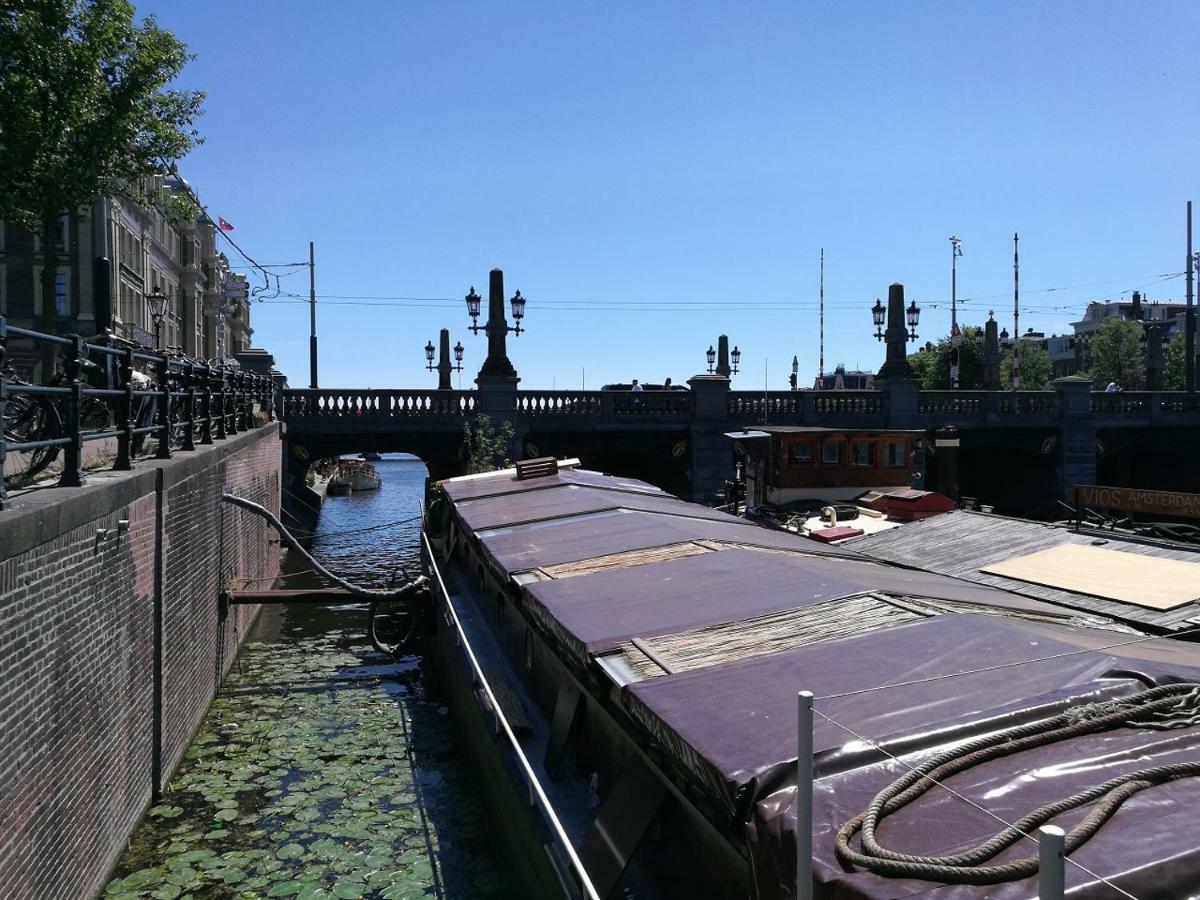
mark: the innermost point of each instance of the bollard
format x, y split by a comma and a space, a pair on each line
1051, 863
804, 795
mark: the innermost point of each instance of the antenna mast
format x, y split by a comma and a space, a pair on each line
821, 364
1016, 357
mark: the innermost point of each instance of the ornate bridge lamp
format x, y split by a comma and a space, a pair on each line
901, 328
157, 304
721, 357
444, 368
497, 363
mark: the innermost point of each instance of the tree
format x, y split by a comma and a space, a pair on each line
1174, 376
932, 366
1116, 353
84, 112
1035, 368
487, 447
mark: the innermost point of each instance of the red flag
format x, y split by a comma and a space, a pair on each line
223, 225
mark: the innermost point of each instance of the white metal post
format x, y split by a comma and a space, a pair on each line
1051, 863
804, 795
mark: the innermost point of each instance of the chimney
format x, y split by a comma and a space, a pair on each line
1137, 306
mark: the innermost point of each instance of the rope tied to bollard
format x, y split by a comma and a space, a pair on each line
1163, 707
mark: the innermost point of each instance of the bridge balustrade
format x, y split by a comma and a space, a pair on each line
559, 403
403, 404
650, 403
796, 407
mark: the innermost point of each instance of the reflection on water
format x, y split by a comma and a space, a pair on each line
323, 769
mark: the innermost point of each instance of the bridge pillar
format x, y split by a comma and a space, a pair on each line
1077, 433
711, 454
496, 398
902, 408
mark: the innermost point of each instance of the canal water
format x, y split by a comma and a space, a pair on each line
324, 768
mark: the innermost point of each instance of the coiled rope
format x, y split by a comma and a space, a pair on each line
1167, 706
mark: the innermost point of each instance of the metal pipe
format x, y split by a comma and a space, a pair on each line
804, 795
1051, 863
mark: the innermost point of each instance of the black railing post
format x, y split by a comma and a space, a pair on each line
231, 394
72, 473
206, 423
187, 373
3, 400
163, 418
123, 416
219, 379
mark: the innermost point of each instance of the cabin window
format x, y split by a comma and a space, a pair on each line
860, 453
895, 454
801, 453
831, 453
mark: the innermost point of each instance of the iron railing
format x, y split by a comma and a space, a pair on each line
191, 402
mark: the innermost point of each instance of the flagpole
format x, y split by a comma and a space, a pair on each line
312, 317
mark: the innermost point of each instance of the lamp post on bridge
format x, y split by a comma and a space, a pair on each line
721, 357
897, 335
497, 364
444, 368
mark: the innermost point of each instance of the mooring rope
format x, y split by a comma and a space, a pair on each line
1166, 706
405, 590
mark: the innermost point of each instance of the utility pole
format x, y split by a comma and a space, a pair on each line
312, 317
1016, 363
1189, 325
955, 336
821, 363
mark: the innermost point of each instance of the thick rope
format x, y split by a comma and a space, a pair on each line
399, 593
1167, 706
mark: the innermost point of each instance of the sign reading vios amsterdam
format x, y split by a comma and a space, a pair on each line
1163, 503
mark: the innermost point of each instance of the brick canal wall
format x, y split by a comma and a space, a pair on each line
113, 642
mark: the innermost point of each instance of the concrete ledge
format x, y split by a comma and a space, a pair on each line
40, 515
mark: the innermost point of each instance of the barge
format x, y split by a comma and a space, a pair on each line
627, 667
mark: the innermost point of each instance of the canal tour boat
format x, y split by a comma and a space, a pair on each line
628, 669
352, 476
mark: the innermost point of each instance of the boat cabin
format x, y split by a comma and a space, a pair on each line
783, 464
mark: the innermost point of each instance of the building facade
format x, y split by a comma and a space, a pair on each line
1069, 352
110, 257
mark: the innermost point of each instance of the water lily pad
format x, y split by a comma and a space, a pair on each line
289, 851
285, 889
167, 892
347, 890
225, 815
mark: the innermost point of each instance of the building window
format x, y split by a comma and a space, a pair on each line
860, 453
60, 235
62, 291
831, 453
895, 454
800, 453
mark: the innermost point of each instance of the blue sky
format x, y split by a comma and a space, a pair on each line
653, 175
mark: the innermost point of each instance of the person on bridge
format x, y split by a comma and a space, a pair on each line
667, 385
1112, 388
636, 387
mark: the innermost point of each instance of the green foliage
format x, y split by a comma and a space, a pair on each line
1035, 368
85, 110
1116, 355
932, 367
1174, 376
487, 447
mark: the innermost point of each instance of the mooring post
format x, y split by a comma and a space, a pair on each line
1051, 863
804, 795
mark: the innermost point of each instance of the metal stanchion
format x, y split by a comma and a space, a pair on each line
804, 795
1051, 863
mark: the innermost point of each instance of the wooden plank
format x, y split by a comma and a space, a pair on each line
1127, 577
623, 560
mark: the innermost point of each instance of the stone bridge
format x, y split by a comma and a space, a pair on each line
677, 438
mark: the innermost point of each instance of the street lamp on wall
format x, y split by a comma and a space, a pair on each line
913, 315
473, 301
736, 358
711, 355
157, 304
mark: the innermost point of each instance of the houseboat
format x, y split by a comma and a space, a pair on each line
626, 667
